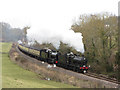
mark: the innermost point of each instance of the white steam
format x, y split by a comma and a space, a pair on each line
54, 36
50, 20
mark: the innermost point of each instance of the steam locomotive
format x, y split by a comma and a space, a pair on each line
68, 60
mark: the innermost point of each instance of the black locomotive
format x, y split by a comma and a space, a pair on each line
68, 60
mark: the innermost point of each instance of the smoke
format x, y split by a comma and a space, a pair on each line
51, 22
56, 34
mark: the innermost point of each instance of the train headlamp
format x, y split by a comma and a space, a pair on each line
83, 65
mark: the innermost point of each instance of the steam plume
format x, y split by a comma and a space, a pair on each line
54, 36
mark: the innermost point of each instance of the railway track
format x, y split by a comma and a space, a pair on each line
102, 77
89, 74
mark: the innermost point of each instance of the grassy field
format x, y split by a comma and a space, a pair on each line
14, 76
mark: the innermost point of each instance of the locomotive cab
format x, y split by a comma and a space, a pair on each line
44, 55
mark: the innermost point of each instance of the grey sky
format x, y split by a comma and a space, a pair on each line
50, 20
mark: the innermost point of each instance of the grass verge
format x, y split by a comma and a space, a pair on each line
14, 76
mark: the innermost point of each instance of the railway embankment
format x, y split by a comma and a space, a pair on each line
13, 76
49, 72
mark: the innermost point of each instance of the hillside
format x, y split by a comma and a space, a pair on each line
14, 76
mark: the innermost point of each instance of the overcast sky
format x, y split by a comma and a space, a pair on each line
25, 12
50, 20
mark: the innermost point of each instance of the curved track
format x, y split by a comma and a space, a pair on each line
102, 77
89, 75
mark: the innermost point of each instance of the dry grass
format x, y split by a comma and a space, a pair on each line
14, 76
45, 73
